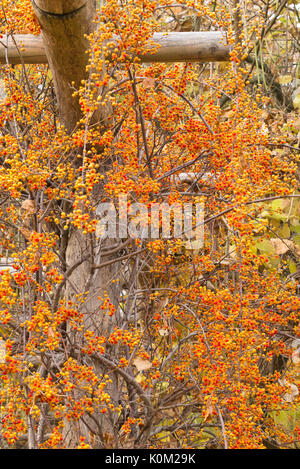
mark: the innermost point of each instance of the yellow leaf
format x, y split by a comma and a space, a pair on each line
285, 79
296, 101
139, 379
195, 245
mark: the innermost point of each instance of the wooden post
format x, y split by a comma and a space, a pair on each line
207, 46
65, 25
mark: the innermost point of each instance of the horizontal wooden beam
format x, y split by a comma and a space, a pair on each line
174, 47
25, 48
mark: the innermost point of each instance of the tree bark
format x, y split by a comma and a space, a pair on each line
65, 25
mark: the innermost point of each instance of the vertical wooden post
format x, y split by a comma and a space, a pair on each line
65, 24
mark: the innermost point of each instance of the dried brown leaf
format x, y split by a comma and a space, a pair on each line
29, 206
148, 82
209, 410
26, 233
281, 246
142, 364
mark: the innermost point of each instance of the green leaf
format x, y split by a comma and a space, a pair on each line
253, 249
296, 228
278, 216
287, 418
265, 246
273, 262
275, 223
292, 267
277, 204
295, 225
265, 214
297, 239
284, 231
